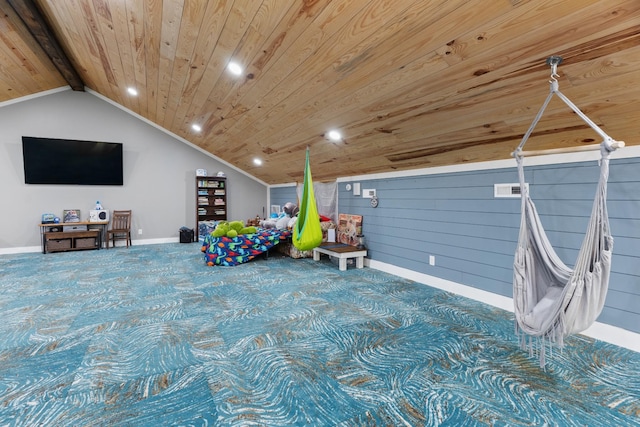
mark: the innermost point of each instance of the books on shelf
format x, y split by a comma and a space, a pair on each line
211, 198
204, 183
218, 211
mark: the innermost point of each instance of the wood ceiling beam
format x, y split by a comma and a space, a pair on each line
37, 25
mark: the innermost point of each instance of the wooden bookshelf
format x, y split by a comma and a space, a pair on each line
211, 199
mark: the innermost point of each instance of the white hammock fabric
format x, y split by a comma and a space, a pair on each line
551, 300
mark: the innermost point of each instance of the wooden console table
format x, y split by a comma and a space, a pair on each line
342, 252
62, 241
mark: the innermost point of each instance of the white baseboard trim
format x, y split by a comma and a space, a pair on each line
600, 331
22, 250
119, 243
139, 242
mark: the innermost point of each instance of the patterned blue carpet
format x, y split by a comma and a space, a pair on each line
151, 336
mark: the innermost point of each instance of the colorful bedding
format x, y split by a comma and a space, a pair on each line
227, 251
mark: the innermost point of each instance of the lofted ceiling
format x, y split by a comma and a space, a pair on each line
409, 83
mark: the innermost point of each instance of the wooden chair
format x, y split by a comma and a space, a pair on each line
120, 228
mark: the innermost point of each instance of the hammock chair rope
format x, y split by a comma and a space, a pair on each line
551, 300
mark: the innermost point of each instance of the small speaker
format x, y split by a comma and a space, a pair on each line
98, 215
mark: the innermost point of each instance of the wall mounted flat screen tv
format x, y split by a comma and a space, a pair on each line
68, 161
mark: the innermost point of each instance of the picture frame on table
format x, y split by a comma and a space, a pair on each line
71, 215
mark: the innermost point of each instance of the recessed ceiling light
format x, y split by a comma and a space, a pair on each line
132, 91
234, 68
196, 127
257, 162
334, 135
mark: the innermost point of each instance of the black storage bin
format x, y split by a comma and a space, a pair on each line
186, 235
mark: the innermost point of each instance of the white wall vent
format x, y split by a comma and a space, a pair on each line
507, 190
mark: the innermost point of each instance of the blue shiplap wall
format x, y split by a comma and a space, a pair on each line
282, 195
472, 235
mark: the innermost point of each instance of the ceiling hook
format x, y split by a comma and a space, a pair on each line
554, 61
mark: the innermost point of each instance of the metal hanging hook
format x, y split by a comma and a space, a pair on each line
554, 61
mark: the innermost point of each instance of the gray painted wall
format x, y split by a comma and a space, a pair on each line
472, 235
159, 171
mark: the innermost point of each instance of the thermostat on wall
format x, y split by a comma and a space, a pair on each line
369, 193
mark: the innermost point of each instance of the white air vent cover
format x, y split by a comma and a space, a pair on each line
507, 190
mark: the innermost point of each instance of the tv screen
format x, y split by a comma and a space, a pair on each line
68, 161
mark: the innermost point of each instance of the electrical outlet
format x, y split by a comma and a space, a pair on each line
432, 260
139, 230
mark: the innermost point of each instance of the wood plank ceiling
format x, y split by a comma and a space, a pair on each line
409, 83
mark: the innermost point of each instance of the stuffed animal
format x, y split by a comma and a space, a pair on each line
232, 229
281, 223
290, 209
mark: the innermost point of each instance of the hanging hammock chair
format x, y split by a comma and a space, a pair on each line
307, 232
552, 300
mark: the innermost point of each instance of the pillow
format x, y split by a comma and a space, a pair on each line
349, 226
545, 308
